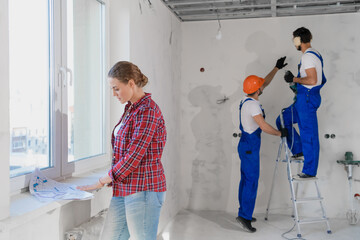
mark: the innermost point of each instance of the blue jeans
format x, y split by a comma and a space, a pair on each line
136, 215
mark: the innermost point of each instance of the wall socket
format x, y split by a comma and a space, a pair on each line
74, 234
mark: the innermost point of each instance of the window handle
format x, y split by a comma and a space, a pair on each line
68, 70
63, 72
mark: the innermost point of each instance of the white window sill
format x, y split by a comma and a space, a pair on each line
24, 207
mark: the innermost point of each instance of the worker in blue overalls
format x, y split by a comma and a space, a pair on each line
310, 79
252, 123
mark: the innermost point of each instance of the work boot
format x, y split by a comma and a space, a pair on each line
304, 175
298, 156
245, 224
253, 219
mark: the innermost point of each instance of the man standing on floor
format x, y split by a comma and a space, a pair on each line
252, 123
310, 79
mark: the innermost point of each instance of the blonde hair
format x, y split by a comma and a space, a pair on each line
124, 71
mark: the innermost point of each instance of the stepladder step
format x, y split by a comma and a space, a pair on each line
296, 178
294, 161
294, 181
310, 199
312, 220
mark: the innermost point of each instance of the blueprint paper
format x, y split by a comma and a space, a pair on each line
46, 190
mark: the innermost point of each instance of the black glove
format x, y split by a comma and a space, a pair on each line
289, 77
280, 63
284, 132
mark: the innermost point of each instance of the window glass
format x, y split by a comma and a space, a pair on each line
29, 60
85, 88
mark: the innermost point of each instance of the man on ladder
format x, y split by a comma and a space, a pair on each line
294, 181
252, 123
310, 79
306, 85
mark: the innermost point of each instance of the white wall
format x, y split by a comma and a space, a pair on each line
154, 45
4, 110
52, 220
210, 169
119, 46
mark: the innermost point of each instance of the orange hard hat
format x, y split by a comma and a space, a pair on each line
252, 83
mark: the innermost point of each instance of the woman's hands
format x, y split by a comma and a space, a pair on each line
91, 187
99, 184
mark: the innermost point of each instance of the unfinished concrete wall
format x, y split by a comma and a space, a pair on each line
210, 162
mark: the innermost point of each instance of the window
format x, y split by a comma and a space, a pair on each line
29, 85
84, 56
57, 93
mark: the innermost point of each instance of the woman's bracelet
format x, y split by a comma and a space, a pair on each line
102, 184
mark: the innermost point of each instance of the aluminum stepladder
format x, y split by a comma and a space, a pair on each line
294, 189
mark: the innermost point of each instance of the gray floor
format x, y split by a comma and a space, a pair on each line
215, 225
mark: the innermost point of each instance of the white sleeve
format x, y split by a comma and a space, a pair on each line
308, 61
254, 108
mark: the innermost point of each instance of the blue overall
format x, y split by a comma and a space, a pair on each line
249, 153
303, 112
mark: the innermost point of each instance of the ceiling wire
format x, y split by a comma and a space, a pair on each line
218, 35
217, 13
140, 7
171, 31
150, 4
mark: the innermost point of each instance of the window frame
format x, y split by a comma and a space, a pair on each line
58, 141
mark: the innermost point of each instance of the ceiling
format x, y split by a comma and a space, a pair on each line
200, 10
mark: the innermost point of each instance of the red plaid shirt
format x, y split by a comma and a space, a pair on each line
137, 149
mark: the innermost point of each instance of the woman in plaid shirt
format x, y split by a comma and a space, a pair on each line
137, 175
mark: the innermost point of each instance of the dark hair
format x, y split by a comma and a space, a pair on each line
124, 71
304, 34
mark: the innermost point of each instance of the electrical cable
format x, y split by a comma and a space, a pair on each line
292, 123
223, 100
219, 34
140, 7
292, 144
292, 127
297, 238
